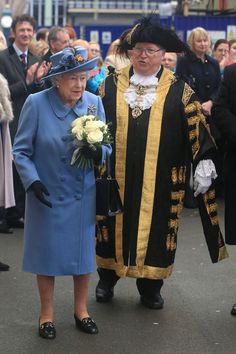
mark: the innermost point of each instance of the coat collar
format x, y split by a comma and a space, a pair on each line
59, 108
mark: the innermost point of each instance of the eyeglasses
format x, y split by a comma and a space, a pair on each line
95, 50
147, 51
223, 50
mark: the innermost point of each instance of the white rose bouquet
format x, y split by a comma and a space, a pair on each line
90, 132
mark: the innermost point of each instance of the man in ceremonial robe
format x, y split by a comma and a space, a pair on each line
157, 124
224, 114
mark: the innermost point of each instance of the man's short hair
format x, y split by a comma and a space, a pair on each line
52, 35
42, 33
23, 18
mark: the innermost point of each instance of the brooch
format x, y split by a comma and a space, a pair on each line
91, 109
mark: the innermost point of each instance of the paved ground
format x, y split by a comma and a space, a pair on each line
196, 318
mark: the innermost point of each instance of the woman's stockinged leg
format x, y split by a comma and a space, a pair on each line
46, 293
81, 284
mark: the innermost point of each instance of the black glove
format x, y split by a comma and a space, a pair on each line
94, 155
39, 190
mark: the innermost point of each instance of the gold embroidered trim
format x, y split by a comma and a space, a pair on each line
211, 208
177, 195
223, 253
192, 121
174, 224
101, 89
174, 175
192, 135
192, 107
122, 119
171, 242
181, 174
150, 167
102, 234
176, 209
134, 271
187, 93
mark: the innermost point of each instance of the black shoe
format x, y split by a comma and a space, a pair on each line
86, 325
156, 303
47, 330
4, 228
4, 267
104, 293
18, 224
233, 311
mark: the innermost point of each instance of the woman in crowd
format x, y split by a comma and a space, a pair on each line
97, 75
59, 228
202, 73
6, 180
232, 52
170, 61
221, 53
5, 152
114, 59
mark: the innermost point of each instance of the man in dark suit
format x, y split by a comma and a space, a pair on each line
224, 114
19, 65
58, 39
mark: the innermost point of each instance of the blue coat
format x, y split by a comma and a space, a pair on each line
61, 240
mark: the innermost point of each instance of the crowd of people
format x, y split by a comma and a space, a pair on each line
170, 107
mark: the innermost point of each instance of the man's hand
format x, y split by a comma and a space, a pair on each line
31, 73
42, 70
39, 190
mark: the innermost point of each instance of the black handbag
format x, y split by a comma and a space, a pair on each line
108, 200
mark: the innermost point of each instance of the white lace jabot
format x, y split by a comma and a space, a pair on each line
141, 93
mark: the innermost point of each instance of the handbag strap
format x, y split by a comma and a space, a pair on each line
108, 165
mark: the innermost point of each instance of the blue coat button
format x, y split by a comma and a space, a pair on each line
62, 179
61, 198
63, 158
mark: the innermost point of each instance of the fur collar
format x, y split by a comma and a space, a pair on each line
6, 113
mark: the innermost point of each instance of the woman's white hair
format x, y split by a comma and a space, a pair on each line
55, 79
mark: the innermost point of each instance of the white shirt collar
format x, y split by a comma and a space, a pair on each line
138, 79
19, 52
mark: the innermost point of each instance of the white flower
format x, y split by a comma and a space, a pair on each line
77, 122
93, 125
95, 136
87, 118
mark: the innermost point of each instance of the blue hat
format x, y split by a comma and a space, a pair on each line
70, 59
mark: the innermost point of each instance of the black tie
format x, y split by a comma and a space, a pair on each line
23, 61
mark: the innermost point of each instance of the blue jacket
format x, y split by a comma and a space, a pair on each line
60, 240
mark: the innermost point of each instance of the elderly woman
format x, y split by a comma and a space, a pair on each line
59, 228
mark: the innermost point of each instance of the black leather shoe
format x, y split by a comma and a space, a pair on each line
86, 325
156, 303
233, 311
47, 330
4, 267
4, 227
18, 224
104, 293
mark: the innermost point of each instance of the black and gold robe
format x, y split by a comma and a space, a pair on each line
148, 161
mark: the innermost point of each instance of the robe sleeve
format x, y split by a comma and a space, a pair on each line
202, 147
